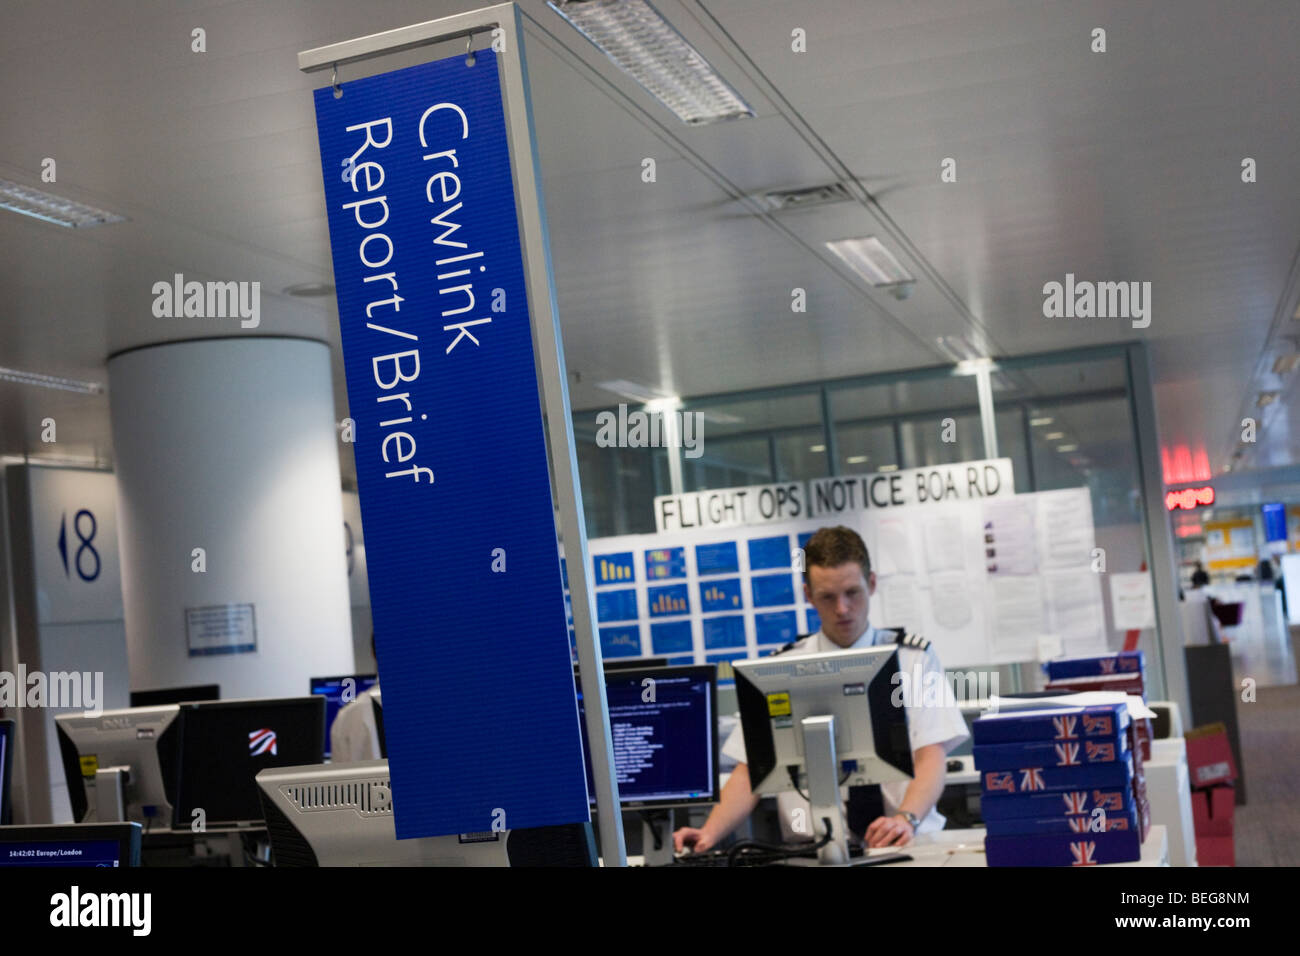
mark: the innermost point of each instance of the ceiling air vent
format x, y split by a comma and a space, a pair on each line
785, 199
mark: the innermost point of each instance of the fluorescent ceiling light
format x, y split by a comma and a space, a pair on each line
721, 418
975, 365
638, 393
857, 459
1041, 421
1053, 436
816, 447
870, 259
54, 461
647, 48
51, 208
889, 468
1066, 448
49, 381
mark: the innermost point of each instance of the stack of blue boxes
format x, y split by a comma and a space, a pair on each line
1057, 786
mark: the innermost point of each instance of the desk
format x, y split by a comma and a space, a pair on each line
966, 848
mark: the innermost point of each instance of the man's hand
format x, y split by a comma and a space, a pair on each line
889, 831
699, 841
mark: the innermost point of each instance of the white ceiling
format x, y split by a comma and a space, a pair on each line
1122, 165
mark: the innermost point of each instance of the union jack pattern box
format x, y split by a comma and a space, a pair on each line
1124, 662
1060, 753
1098, 821
1033, 779
1064, 849
1052, 724
1060, 803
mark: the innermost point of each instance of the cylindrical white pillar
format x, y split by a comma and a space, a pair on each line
229, 445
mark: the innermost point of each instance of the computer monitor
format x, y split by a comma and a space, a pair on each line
6, 770
823, 720
342, 815
144, 741
334, 689
175, 695
225, 744
664, 725
71, 844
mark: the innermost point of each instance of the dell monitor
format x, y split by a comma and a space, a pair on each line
6, 770
225, 744
342, 815
120, 765
339, 691
71, 844
820, 721
175, 695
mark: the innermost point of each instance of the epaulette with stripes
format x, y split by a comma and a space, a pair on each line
914, 641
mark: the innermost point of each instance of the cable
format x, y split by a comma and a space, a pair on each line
655, 831
777, 852
793, 770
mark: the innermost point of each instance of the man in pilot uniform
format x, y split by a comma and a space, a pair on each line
838, 582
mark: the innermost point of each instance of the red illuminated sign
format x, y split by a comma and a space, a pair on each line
1189, 498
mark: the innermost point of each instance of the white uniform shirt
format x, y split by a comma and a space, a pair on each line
354, 735
925, 724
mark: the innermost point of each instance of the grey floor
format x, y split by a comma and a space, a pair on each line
1267, 829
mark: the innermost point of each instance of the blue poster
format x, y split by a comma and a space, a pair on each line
721, 558
725, 631
669, 600
616, 605
670, 637
772, 589
479, 708
720, 595
773, 552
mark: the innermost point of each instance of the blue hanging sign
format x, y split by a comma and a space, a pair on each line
479, 708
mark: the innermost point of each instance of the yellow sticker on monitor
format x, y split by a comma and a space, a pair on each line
89, 765
778, 705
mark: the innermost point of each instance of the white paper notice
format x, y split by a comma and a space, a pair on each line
1131, 602
951, 600
943, 543
1065, 523
894, 550
1010, 542
1017, 617
898, 602
1074, 610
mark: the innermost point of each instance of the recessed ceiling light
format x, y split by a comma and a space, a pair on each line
310, 290
1067, 448
816, 447
1053, 436
50, 381
646, 47
48, 207
889, 468
857, 459
1041, 421
869, 258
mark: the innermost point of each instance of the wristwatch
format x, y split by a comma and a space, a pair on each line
910, 818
